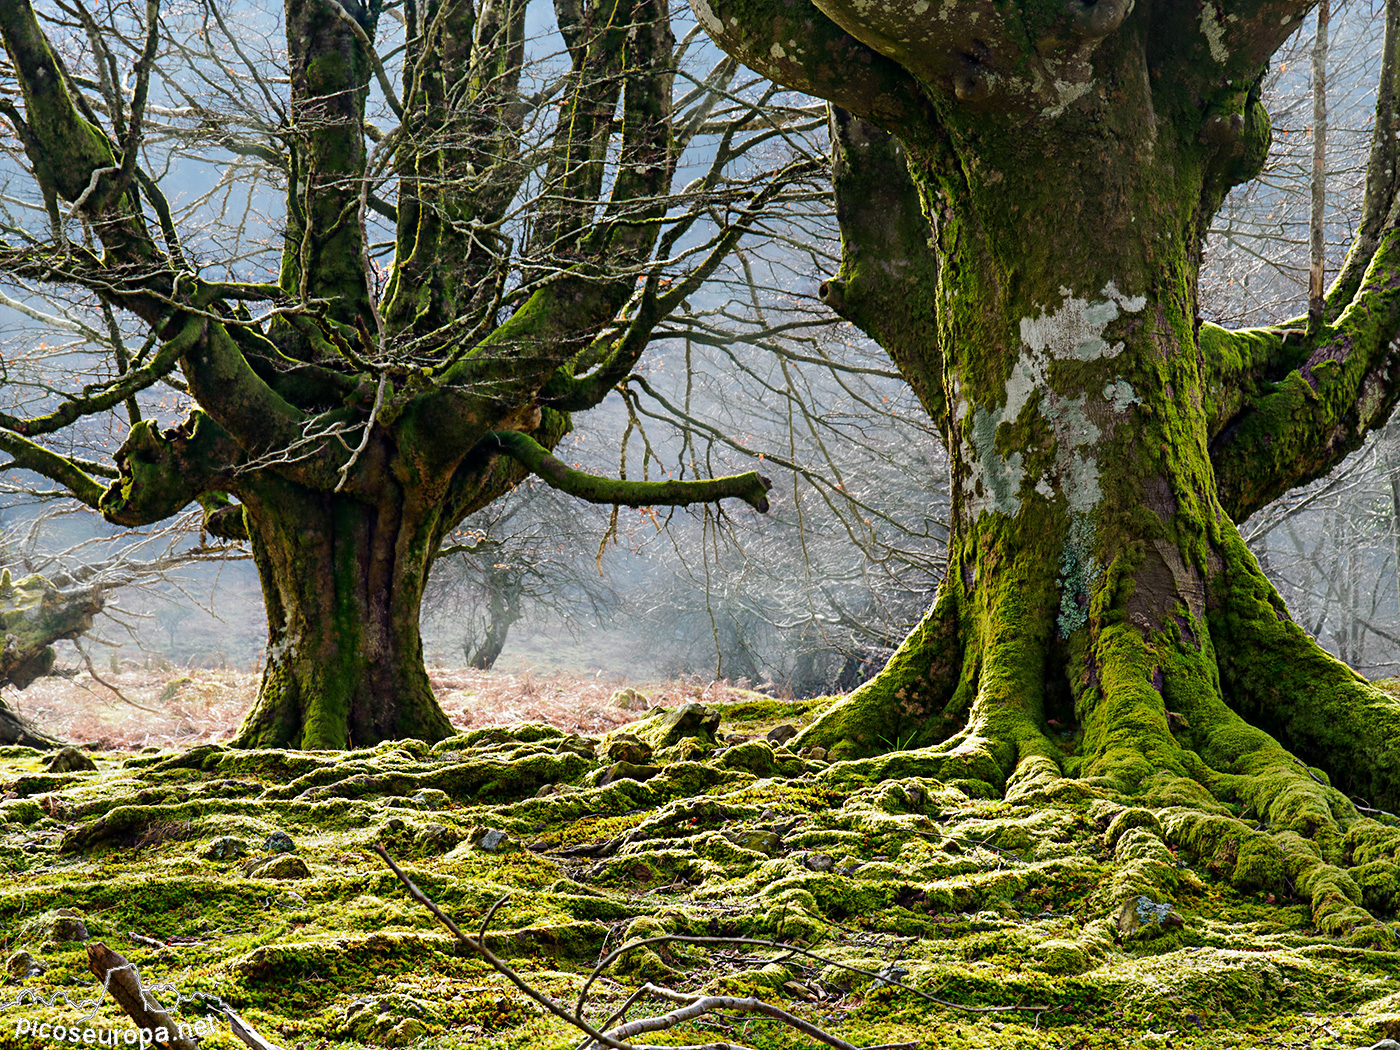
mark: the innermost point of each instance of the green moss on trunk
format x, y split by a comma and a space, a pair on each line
343, 582
1101, 631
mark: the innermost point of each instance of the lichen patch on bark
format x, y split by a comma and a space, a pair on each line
1073, 332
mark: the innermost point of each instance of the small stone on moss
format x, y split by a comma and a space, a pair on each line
629, 700
626, 747
67, 926
781, 734
667, 726
285, 866
492, 840
279, 842
225, 848
22, 965
71, 760
1142, 919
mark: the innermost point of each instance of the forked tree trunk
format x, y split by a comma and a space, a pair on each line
503, 599
1095, 584
343, 583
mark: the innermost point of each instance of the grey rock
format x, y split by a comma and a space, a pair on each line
226, 848
1142, 918
1384, 1044
629, 700
818, 862
781, 734
71, 760
575, 744
174, 688
279, 842
284, 866
492, 840
22, 965
624, 747
430, 799
667, 726
67, 926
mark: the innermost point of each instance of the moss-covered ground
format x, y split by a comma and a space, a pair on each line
977, 900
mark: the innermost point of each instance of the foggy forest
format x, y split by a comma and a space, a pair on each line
742, 525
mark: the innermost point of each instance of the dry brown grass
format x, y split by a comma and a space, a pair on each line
209, 705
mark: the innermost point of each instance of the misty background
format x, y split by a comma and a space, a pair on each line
813, 596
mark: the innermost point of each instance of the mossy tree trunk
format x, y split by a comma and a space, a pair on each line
342, 582
346, 434
1023, 193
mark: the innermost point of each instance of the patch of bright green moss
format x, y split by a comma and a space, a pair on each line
987, 901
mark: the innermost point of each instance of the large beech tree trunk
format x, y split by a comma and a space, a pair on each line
1094, 580
342, 432
1023, 192
343, 582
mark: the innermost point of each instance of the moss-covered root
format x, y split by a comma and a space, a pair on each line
1228, 795
921, 697
985, 733
1281, 680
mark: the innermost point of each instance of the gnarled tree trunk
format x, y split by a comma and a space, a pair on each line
353, 428
1023, 193
342, 582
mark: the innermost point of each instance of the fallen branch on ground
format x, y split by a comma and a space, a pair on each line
693, 1005
119, 976
678, 938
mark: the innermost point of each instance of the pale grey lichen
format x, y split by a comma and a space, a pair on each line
1214, 32
1073, 332
1079, 572
1120, 394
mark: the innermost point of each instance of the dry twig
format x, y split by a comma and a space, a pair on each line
692, 1005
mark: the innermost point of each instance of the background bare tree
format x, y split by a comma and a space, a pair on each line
478, 240
1329, 546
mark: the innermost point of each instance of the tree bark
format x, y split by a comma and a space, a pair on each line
354, 429
1101, 631
342, 582
1090, 561
15, 730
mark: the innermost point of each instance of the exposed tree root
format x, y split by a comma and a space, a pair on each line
15, 730
692, 1005
1150, 735
901, 890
